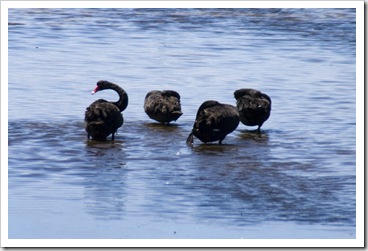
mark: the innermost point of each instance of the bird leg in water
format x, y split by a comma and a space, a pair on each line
259, 129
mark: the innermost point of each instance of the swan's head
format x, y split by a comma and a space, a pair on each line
101, 85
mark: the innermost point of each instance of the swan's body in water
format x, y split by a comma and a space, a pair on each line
163, 106
254, 107
214, 121
102, 117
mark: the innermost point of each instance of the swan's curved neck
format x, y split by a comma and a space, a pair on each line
122, 103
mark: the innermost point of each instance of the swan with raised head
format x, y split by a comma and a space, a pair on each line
102, 117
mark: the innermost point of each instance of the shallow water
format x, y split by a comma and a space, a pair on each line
294, 180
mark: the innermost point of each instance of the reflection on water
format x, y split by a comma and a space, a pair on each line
104, 193
296, 171
163, 176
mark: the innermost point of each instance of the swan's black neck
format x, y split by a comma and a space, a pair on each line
122, 103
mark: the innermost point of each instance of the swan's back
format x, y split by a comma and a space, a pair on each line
102, 118
214, 121
254, 106
163, 106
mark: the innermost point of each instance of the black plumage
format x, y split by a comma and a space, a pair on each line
214, 121
163, 106
254, 107
102, 117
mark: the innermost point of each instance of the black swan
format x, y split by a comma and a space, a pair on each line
254, 107
102, 117
214, 121
163, 106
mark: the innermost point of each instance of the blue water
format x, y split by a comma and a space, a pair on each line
294, 180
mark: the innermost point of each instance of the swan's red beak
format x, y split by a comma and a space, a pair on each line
95, 90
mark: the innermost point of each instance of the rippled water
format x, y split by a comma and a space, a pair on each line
295, 180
